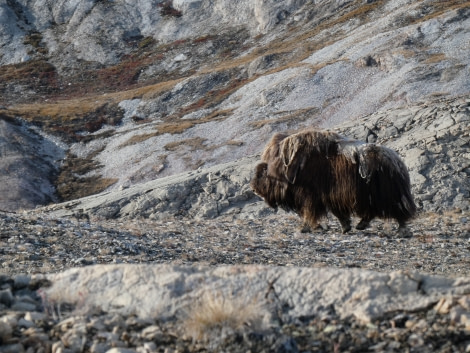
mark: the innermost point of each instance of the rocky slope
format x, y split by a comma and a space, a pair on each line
156, 111
143, 91
433, 138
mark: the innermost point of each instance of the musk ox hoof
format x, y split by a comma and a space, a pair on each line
363, 224
404, 232
306, 228
345, 225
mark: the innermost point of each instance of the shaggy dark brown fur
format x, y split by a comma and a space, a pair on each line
313, 172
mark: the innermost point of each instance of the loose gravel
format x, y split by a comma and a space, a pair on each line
33, 245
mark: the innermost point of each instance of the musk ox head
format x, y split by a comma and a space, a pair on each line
272, 190
314, 172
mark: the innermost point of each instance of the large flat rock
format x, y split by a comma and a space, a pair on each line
168, 291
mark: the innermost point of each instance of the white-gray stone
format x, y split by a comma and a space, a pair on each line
167, 291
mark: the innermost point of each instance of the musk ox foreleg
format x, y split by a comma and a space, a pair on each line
344, 219
309, 208
306, 228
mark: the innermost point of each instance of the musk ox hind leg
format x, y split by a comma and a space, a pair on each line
364, 223
403, 230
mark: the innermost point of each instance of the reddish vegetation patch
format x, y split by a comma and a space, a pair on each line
71, 182
37, 75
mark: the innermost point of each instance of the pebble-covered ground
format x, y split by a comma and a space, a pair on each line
34, 244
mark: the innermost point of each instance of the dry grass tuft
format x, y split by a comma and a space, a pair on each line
175, 125
297, 116
435, 58
196, 143
139, 138
216, 311
437, 8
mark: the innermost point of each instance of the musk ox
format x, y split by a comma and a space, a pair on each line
314, 172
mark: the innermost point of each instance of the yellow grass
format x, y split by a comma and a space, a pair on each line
299, 115
435, 58
440, 8
176, 125
301, 40
196, 143
215, 311
70, 108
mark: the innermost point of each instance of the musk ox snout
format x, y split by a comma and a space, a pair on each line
314, 172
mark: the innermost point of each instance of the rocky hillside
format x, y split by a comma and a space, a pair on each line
432, 138
135, 125
104, 95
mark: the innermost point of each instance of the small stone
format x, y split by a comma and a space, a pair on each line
58, 347
465, 320
115, 320
25, 323
410, 323
415, 340
378, 347
455, 314
465, 302
108, 336
151, 333
180, 57
150, 347
394, 345
4, 279
443, 306
6, 297
12, 348
98, 347
120, 350
23, 306
35, 316
36, 335
96, 324
330, 328
5, 331
73, 341
10, 319
21, 281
